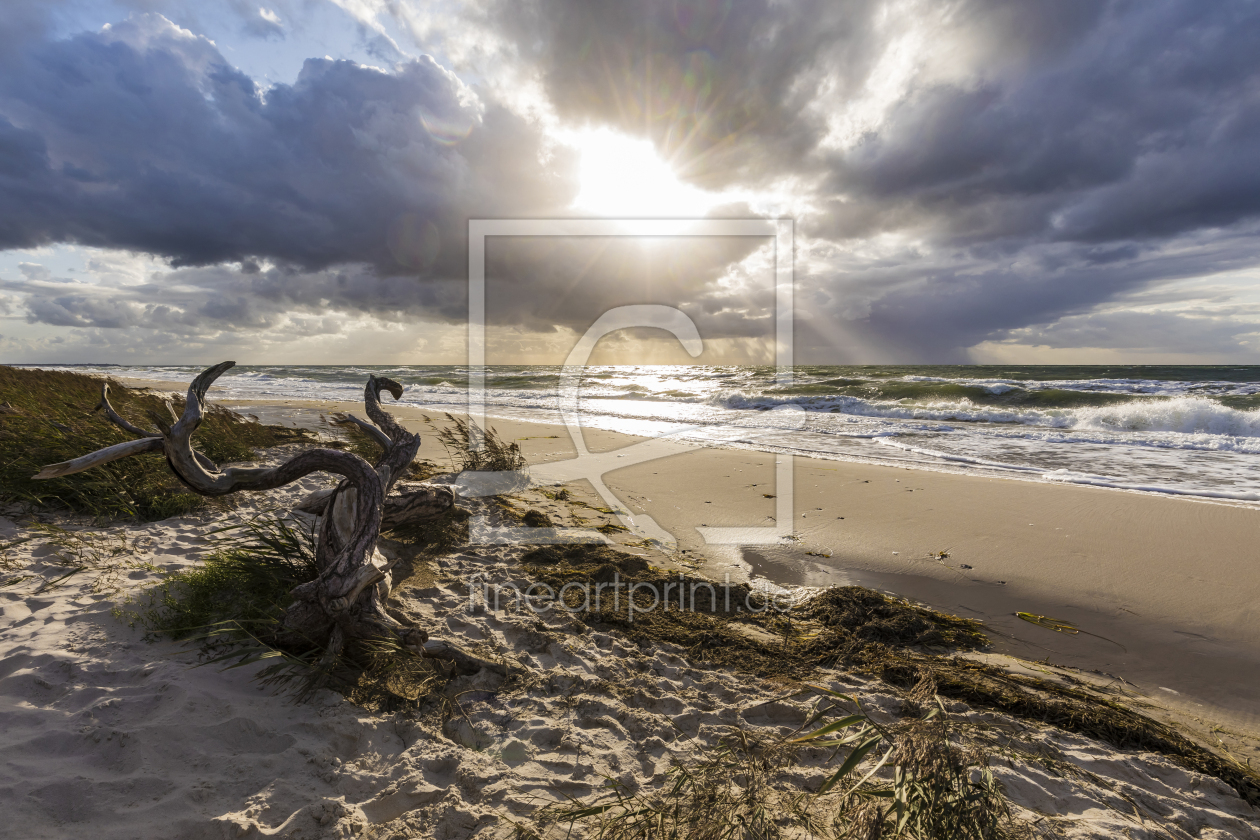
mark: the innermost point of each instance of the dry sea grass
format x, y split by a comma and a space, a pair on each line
1043, 701
894, 640
734, 625
746, 787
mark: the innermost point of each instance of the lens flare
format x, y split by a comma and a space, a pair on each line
448, 129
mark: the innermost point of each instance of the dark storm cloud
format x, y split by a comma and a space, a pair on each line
352, 182
1081, 120
735, 93
1112, 129
143, 137
1044, 159
1144, 126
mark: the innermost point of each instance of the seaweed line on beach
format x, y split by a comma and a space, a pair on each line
875, 634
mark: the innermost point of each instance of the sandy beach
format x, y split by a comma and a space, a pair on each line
1162, 588
108, 733
916, 351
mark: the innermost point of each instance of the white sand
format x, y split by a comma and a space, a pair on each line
107, 736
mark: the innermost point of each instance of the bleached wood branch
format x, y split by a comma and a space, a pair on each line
120, 421
348, 419
101, 456
117, 419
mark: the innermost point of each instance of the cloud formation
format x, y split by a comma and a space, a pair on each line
143, 137
962, 173
965, 121
1034, 159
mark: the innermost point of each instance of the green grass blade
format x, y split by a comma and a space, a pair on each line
872, 771
855, 758
50, 585
829, 728
830, 693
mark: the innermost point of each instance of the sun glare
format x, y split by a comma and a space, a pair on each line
622, 176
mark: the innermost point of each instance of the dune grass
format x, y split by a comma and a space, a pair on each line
461, 437
49, 416
242, 586
226, 605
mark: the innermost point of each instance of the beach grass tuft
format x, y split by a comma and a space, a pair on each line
242, 585
747, 787
49, 416
473, 449
226, 605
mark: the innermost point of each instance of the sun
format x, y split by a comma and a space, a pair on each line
623, 177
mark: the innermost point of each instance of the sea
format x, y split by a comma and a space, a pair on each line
1184, 430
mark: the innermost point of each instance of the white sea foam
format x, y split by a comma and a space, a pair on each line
1165, 436
1069, 477
1184, 415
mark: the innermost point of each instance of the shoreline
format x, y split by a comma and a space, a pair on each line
938, 463
1124, 568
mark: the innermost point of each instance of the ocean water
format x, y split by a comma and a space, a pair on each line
1191, 430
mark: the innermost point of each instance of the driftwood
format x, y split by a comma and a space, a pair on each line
347, 601
414, 504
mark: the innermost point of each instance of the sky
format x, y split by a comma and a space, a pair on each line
291, 181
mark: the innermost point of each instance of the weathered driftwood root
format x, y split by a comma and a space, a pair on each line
347, 601
118, 420
414, 504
